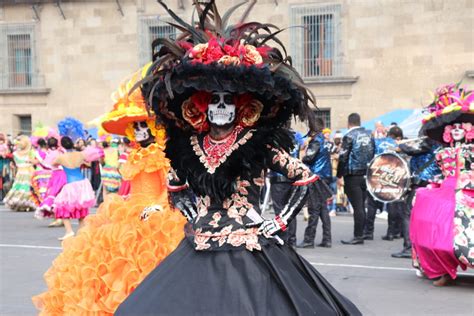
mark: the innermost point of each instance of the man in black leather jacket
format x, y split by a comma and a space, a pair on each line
357, 151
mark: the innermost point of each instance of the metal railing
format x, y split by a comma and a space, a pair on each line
150, 28
18, 58
315, 37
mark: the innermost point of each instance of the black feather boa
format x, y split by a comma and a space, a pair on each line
246, 162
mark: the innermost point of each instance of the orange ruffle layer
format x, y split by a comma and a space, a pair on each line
148, 159
113, 252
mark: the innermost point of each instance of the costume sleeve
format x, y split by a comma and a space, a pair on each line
181, 196
346, 148
311, 152
297, 171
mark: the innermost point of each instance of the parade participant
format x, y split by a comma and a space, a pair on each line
42, 173
318, 159
442, 223
76, 197
280, 188
225, 96
122, 243
4, 162
357, 151
20, 197
124, 189
110, 174
55, 183
424, 170
383, 145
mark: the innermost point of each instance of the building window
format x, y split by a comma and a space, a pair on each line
325, 115
17, 57
315, 42
24, 124
152, 28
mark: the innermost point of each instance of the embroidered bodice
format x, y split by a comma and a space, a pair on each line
462, 157
225, 224
23, 161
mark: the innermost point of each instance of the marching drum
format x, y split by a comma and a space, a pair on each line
388, 177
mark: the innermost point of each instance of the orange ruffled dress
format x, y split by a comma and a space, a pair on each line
115, 250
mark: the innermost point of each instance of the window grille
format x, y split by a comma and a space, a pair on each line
315, 40
152, 28
325, 115
25, 124
18, 57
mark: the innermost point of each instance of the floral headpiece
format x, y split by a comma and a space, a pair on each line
212, 55
451, 104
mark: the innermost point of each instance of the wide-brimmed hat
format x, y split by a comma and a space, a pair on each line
129, 105
211, 55
452, 104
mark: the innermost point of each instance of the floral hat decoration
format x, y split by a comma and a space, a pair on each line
452, 104
211, 55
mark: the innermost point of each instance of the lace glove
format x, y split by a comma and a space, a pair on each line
183, 201
149, 210
270, 227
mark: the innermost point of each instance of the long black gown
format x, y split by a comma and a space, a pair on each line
224, 266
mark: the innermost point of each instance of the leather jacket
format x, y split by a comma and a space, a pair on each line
318, 157
357, 151
420, 156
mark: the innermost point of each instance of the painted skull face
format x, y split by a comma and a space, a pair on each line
142, 132
221, 109
458, 132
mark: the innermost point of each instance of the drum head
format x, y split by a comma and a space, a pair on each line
388, 177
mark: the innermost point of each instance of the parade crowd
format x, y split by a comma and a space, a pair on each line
208, 142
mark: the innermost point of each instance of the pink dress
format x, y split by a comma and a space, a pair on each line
55, 184
442, 222
76, 197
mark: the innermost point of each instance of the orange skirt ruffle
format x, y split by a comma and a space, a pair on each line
109, 257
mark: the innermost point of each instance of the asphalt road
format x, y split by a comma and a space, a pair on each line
375, 282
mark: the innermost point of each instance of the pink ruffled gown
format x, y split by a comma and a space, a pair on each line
442, 219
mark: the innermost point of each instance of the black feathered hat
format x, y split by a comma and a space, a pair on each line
210, 56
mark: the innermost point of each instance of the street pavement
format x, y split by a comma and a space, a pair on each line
375, 282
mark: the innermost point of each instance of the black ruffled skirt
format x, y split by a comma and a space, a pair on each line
274, 281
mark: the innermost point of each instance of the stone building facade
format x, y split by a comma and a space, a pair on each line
65, 58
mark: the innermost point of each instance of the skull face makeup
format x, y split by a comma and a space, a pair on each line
142, 131
458, 132
221, 109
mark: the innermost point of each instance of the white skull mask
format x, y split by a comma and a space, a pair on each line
458, 132
142, 132
221, 109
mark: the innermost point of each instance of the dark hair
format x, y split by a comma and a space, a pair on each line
126, 141
354, 119
105, 144
42, 143
52, 142
318, 125
67, 142
395, 132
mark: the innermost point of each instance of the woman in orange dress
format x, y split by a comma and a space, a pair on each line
127, 238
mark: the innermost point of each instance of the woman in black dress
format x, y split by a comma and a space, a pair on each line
225, 95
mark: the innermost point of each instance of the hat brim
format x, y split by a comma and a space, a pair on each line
434, 128
120, 124
280, 97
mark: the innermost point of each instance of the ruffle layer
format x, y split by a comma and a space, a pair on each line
149, 160
74, 200
109, 257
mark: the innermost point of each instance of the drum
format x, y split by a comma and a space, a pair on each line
388, 177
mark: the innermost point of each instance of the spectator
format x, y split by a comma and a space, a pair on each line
357, 151
379, 131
